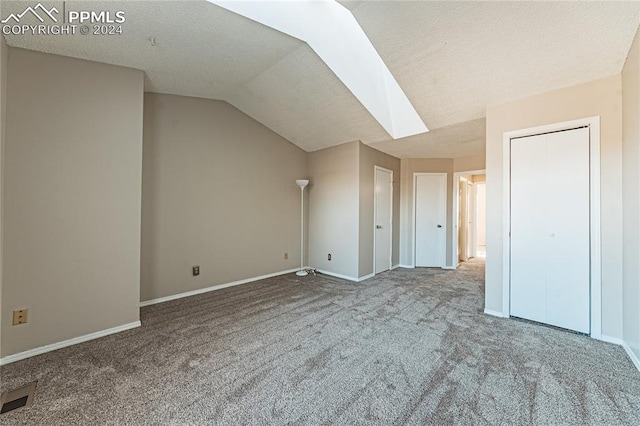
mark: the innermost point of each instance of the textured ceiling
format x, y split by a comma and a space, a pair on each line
458, 140
451, 58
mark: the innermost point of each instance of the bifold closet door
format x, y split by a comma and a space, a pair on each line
550, 228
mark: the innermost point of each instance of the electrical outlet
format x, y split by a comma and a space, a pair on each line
21, 316
196, 271
286, 256
329, 256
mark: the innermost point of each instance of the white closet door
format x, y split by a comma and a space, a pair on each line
550, 266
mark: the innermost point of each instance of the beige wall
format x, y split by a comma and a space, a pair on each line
369, 158
72, 194
408, 167
482, 211
3, 113
334, 209
468, 164
631, 197
597, 98
219, 191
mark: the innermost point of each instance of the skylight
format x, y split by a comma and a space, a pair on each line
334, 34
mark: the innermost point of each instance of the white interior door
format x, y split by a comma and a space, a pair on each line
430, 219
550, 221
383, 204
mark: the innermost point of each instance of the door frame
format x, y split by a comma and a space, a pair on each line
413, 231
375, 216
593, 124
463, 219
472, 244
454, 228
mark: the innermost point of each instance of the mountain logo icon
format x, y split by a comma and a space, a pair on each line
34, 11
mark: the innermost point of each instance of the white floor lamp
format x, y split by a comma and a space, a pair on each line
302, 183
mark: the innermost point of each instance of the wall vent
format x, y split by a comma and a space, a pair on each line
17, 398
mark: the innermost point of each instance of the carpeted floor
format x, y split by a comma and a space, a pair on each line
406, 347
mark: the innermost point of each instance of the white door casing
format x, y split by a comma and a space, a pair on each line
463, 220
472, 239
383, 219
460, 219
593, 123
455, 229
430, 210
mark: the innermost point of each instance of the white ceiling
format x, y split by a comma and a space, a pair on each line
336, 37
454, 141
452, 59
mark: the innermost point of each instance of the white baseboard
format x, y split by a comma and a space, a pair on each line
449, 267
52, 347
347, 277
620, 342
394, 267
366, 277
609, 339
495, 313
333, 274
406, 266
632, 355
214, 287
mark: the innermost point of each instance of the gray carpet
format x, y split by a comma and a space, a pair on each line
406, 347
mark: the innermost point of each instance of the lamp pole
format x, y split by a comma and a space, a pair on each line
302, 183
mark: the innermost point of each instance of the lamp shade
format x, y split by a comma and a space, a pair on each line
302, 182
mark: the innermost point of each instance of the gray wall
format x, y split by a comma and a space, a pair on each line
333, 209
368, 159
631, 197
597, 98
341, 208
72, 196
3, 114
219, 191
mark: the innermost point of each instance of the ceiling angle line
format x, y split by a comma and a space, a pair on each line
336, 37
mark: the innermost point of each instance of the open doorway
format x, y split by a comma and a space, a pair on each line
469, 237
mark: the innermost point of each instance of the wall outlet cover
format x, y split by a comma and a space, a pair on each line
20, 316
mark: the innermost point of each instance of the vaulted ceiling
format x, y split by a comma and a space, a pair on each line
452, 59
